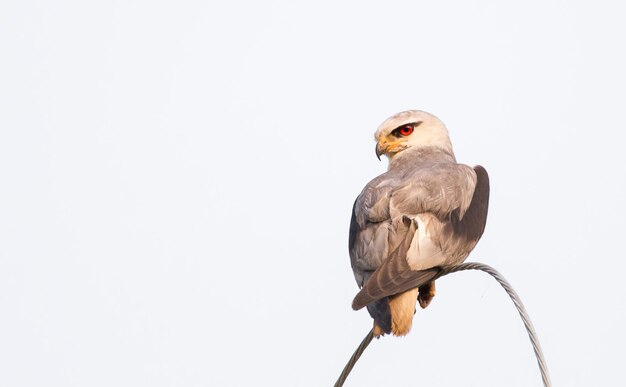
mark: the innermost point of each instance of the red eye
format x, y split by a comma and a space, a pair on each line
406, 130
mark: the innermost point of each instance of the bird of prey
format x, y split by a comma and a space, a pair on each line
425, 213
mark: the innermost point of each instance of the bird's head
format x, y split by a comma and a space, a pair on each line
410, 129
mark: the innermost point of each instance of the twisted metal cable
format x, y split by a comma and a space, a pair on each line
543, 368
355, 356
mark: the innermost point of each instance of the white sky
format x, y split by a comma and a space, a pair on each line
177, 179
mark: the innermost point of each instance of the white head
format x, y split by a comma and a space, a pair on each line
411, 129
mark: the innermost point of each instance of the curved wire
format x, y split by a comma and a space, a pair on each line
355, 356
543, 367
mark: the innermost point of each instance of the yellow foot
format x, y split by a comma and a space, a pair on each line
378, 331
426, 294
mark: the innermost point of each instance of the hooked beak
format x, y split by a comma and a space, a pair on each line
380, 150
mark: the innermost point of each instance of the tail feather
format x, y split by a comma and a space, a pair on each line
381, 286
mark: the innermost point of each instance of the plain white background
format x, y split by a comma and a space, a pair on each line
176, 180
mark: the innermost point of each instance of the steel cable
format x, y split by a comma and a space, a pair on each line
543, 368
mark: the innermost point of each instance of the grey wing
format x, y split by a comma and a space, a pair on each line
475, 218
373, 233
369, 240
369, 230
455, 204
458, 237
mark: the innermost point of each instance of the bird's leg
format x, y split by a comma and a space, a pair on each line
426, 294
378, 331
